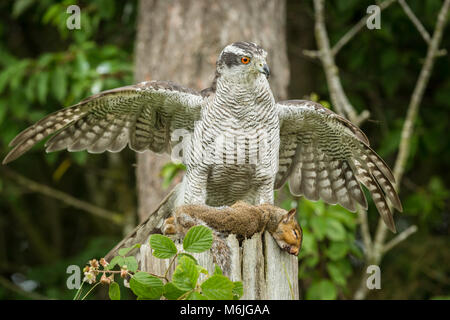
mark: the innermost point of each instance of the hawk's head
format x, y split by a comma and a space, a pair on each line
243, 59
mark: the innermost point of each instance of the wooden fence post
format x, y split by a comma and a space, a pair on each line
265, 270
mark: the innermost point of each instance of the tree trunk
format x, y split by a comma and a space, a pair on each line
180, 41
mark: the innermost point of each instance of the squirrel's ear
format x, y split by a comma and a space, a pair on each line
290, 215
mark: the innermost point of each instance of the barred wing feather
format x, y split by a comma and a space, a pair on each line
142, 116
326, 157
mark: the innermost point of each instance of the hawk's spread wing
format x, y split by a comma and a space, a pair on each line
142, 115
326, 156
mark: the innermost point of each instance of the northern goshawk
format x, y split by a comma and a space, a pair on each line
237, 142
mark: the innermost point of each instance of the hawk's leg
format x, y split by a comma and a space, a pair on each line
196, 179
265, 190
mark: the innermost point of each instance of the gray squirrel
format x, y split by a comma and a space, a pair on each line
241, 219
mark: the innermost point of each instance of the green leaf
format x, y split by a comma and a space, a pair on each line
172, 292
186, 274
238, 290
81, 64
146, 286
163, 247
19, 73
196, 296
20, 6
5, 76
121, 261
30, 87
44, 60
59, 83
315, 207
337, 250
344, 266
42, 87
309, 243
336, 273
217, 270
114, 291
218, 287
202, 270
322, 290
187, 255
80, 158
124, 251
335, 230
51, 13
131, 263
312, 261
117, 260
198, 239
319, 226
20, 106
169, 171
343, 215
3, 110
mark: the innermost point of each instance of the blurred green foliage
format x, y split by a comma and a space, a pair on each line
44, 66
379, 69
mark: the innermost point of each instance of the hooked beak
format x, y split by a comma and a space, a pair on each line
264, 68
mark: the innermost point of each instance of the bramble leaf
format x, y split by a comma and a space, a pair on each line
117, 260
186, 274
238, 290
198, 239
131, 263
114, 291
146, 286
124, 251
172, 292
187, 255
196, 296
218, 287
163, 247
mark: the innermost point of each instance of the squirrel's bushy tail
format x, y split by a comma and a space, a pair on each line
221, 252
150, 225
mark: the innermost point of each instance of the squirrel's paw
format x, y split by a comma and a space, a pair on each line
168, 226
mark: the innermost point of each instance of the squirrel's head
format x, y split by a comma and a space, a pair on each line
289, 234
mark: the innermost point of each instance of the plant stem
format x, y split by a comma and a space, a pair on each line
78, 292
90, 290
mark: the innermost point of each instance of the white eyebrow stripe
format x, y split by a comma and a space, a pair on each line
236, 50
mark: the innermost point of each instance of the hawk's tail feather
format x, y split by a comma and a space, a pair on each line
150, 225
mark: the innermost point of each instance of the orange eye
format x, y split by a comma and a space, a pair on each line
245, 60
